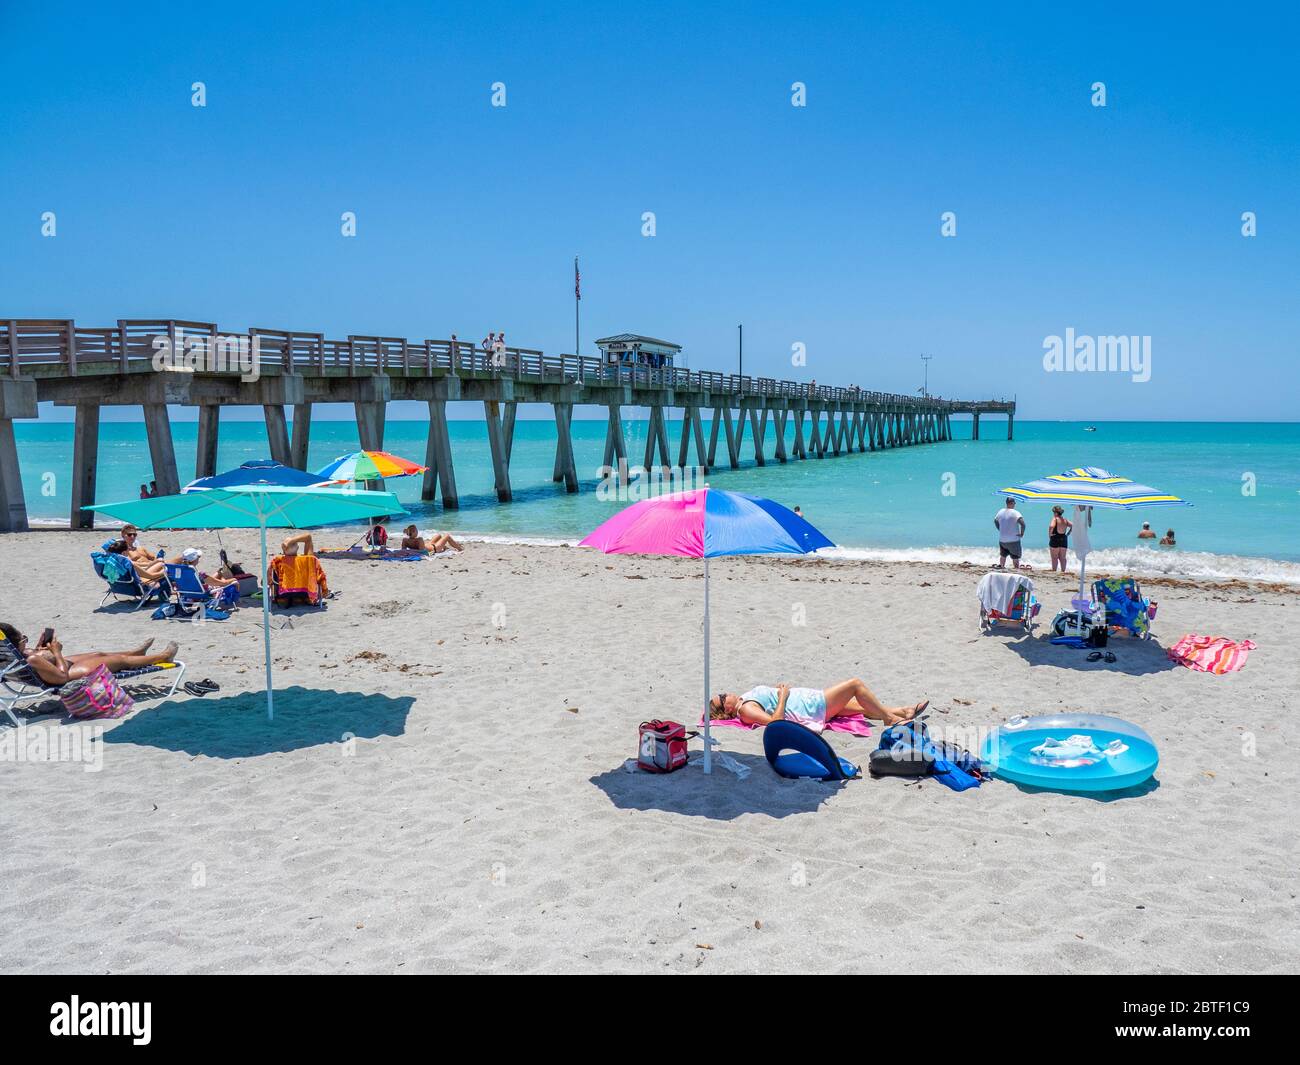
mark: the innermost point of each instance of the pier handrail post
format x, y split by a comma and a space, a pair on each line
13, 348
72, 348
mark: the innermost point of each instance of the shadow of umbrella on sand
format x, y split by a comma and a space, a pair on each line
230, 727
705, 523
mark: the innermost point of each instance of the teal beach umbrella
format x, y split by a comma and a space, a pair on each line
255, 507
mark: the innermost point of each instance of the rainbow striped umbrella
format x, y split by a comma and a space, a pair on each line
368, 466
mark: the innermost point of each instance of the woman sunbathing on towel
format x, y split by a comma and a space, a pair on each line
413, 541
813, 707
54, 667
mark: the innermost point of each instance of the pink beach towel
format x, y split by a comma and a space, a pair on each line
854, 724
1211, 654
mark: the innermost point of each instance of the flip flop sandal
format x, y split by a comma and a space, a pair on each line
194, 689
1110, 656
208, 685
1095, 656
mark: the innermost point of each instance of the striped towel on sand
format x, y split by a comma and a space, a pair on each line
1211, 654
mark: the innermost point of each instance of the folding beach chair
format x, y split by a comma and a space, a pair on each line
125, 585
1127, 609
21, 685
296, 580
191, 592
1007, 599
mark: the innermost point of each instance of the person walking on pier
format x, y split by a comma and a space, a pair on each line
1010, 524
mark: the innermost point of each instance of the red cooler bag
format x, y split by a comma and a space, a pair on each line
662, 746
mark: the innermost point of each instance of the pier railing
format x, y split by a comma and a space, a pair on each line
60, 347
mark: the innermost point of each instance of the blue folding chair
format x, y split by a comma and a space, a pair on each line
191, 592
125, 583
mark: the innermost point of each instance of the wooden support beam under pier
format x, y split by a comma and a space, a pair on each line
616, 444
800, 448
85, 465
508, 428
722, 420
758, 428
300, 444
277, 433
778, 423
564, 446
158, 430
370, 431
497, 445
205, 452
565, 411
441, 474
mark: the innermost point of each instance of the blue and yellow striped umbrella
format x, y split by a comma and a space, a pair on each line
1091, 486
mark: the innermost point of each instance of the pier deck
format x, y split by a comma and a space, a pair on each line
58, 361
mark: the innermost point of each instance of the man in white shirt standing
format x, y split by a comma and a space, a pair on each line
1011, 528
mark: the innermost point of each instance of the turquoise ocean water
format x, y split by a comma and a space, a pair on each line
926, 502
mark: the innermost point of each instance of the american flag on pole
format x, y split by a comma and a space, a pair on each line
577, 280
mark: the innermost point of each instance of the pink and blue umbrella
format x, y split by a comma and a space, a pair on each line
706, 523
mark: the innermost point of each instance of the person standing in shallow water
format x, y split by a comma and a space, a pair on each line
1058, 537
1010, 524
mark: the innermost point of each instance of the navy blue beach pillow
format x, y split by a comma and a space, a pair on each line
794, 750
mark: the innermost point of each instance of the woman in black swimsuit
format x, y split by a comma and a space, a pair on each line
1058, 537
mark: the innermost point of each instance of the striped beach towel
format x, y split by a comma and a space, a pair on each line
1211, 654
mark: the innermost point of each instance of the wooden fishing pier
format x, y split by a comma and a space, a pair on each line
87, 368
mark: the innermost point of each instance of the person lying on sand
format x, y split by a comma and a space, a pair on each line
813, 707
54, 667
413, 541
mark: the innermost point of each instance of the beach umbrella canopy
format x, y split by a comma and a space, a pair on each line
260, 472
705, 523
1086, 487
368, 466
254, 507
1091, 486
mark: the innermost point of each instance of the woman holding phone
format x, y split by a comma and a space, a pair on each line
48, 661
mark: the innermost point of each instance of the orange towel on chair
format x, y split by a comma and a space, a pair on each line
299, 575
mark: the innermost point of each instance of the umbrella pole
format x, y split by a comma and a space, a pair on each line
266, 629
1084, 513
708, 743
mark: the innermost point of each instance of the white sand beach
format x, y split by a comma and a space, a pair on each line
443, 788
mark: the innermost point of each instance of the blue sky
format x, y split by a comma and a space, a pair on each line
817, 225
